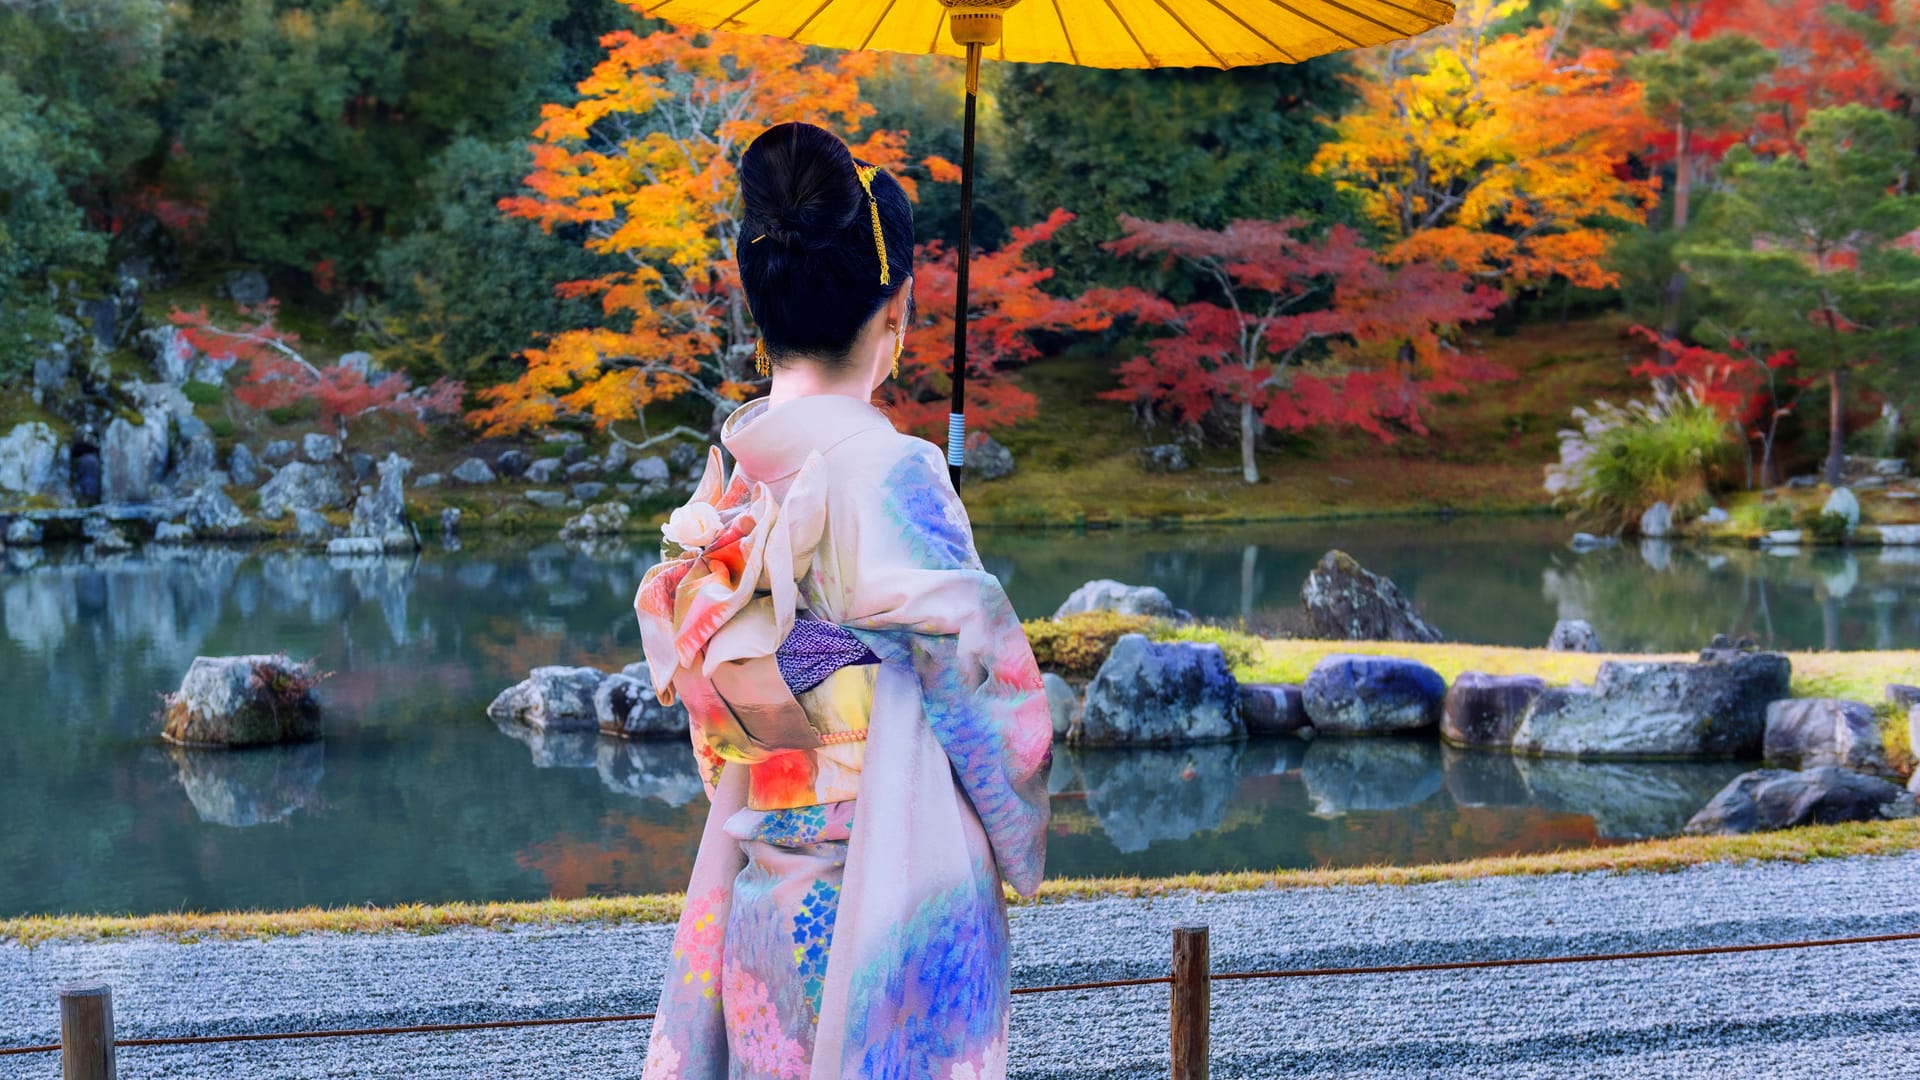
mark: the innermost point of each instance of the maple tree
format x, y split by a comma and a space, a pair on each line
1747, 386
1302, 331
277, 375
1502, 157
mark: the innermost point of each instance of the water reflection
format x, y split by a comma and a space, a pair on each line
239, 788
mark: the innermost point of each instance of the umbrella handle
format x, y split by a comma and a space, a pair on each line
957, 417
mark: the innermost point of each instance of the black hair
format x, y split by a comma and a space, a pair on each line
806, 252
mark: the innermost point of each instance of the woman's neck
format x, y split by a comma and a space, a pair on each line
811, 380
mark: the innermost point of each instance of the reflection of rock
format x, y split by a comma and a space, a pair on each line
1480, 779
250, 787
243, 701
1062, 703
1345, 775
1161, 692
551, 698
1660, 709
1483, 710
650, 770
1350, 694
1143, 796
1347, 602
1778, 799
1626, 800
556, 749
1805, 732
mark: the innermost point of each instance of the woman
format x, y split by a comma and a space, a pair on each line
866, 713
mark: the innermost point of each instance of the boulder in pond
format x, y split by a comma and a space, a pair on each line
1805, 732
1347, 775
1273, 708
300, 485
988, 460
1347, 602
553, 698
1062, 703
627, 707
1161, 693
1484, 710
1573, 635
1842, 503
1653, 709
1657, 521
256, 700
605, 519
381, 515
472, 471
103, 535
1106, 594
1778, 799
1372, 695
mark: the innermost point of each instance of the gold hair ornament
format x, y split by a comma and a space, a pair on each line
866, 173
761, 362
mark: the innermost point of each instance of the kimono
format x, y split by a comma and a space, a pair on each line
846, 916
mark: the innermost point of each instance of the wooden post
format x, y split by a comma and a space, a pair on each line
1192, 979
86, 1032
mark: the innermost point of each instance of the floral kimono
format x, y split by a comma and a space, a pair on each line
869, 724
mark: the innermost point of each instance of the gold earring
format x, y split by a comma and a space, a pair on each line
899, 343
761, 363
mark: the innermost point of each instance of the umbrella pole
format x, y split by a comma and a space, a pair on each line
957, 417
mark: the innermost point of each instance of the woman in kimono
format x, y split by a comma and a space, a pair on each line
867, 717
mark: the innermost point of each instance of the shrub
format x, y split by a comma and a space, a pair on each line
1622, 460
1777, 517
1076, 645
203, 393
1824, 528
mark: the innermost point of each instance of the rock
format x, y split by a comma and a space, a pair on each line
1273, 708
1573, 635
1371, 695
568, 437
685, 457
551, 699
1657, 522
1347, 775
1062, 703
209, 512
244, 701
1164, 457
1803, 733
649, 470
1781, 538
1656, 709
171, 532
615, 458
247, 288
242, 466
30, 460
988, 460
1778, 799
1107, 594
133, 458
1484, 710
277, 449
192, 455
1803, 482
574, 454
543, 470
602, 520
587, 490
1843, 503
583, 469
319, 447
23, 532
1161, 693
355, 545
86, 474
360, 363
1906, 697
300, 486
548, 499
627, 707
255, 787
449, 521
381, 515
512, 463
1715, 516
1585, 542
432, 479
473, 471
104, 535
1345, 601
362, 466
311, 524
1900, 535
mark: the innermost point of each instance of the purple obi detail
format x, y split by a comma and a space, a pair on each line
815, 649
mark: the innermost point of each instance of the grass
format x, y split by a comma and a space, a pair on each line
1652, 856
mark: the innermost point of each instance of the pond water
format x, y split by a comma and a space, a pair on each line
416, 796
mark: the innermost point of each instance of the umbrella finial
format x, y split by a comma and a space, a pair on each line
975, 22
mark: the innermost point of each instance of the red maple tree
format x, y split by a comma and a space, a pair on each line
1751, 388
1303, 331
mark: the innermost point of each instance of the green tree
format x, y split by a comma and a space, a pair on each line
42, 231
1812, 254
1200, 146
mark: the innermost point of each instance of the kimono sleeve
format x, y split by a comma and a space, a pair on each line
918, 580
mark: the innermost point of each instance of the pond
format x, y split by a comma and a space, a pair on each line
416, 796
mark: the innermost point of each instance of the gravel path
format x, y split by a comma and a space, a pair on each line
1852, 1011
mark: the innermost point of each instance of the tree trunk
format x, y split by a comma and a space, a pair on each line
1682, 207
1836, 426
1249, 428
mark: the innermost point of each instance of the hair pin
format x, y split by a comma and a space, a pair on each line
757, 239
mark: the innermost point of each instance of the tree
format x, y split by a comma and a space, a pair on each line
1751, 389
1498, 156
643, 162
1301, 332
276, 375
42, 232
1811, 254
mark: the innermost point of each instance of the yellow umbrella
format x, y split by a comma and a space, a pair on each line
1091, 33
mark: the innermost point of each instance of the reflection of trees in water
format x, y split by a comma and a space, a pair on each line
624, 854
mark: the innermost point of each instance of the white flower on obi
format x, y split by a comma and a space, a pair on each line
692, 526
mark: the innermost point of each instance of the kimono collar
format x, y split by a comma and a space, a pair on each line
772, 442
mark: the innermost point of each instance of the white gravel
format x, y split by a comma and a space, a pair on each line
1852, 1011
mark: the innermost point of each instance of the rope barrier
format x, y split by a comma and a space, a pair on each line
1218, 976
